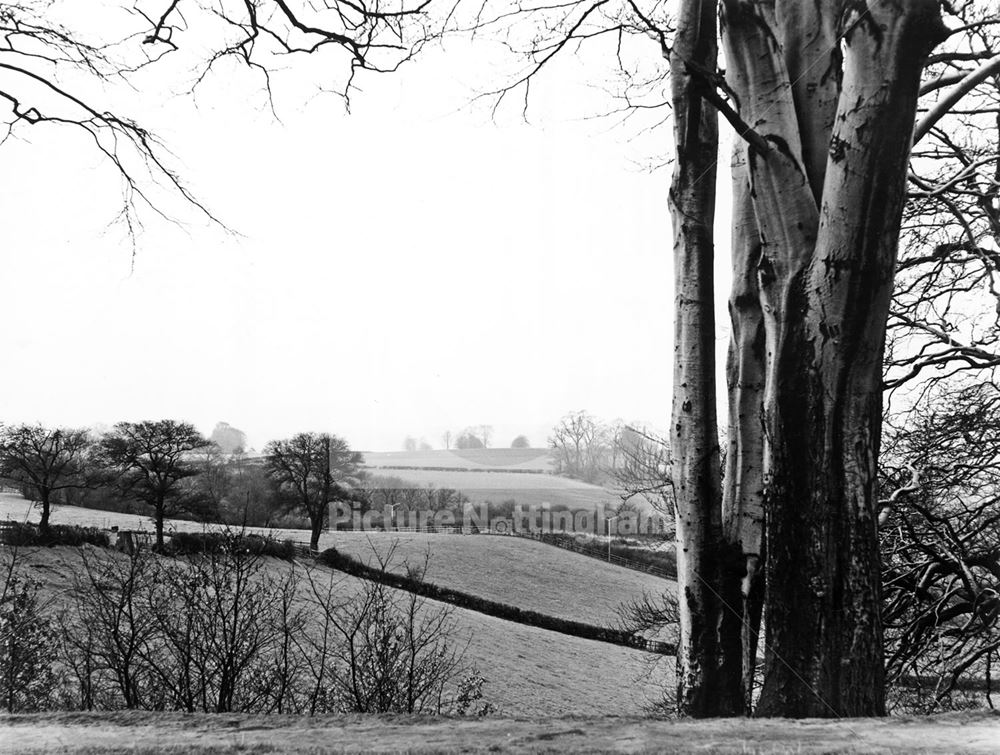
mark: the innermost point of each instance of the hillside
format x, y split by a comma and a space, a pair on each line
524, 573
511, 570
528, 671
527, 459
491, 474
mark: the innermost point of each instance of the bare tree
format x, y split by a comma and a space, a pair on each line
392, 652
824, 99
56, 65
579, 444
44, 462
941, 545
314, 470
644, 469
151, 460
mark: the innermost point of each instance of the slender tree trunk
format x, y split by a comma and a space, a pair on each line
158, 512
743, 491
317, 530
43, 524
696, 465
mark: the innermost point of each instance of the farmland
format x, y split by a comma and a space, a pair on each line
528, 459
525, 573
519, 572
528, 671
492, 474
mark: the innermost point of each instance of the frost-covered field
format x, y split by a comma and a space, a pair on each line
137, 732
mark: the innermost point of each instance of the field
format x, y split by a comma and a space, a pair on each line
497, 487
511, 570
535, 459
484, 475
136, 732
528, 671
520, 572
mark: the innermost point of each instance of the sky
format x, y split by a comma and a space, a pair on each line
408, 268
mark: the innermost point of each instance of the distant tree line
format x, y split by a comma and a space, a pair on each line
166, 469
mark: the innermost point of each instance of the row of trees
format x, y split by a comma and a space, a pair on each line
587, 448
220, 631
480, 436
171, 470
168, 469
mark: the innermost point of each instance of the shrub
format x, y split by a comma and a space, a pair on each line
27, 534
27, 647
186, 543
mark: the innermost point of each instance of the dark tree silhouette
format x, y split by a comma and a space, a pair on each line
313, 470
151, 459
44, 462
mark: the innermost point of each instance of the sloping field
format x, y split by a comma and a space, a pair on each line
529, 459
511, 570
497, 487
528, 671
138, 732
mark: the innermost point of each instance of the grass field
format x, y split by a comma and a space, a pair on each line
528, 671
138, 732
534, 459
479, 474
511, 570
497, 487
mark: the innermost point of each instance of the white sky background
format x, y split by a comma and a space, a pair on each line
402, 270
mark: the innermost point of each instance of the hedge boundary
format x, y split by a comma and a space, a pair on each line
352, 566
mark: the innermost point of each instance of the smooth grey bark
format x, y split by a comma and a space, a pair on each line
743, 490
827, 207
694, 428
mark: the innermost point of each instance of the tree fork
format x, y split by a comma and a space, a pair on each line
824, 415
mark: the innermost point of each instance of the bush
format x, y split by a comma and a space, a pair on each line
27, 647
186, 543
27, 534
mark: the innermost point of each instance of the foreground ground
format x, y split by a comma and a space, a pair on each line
528, 671
176, 733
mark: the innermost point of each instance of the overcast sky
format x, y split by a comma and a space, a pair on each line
409, 268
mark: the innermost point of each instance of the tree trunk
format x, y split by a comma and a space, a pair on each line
827, 207
317, 529
158, 523
696, 464
743, 492
43, 524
